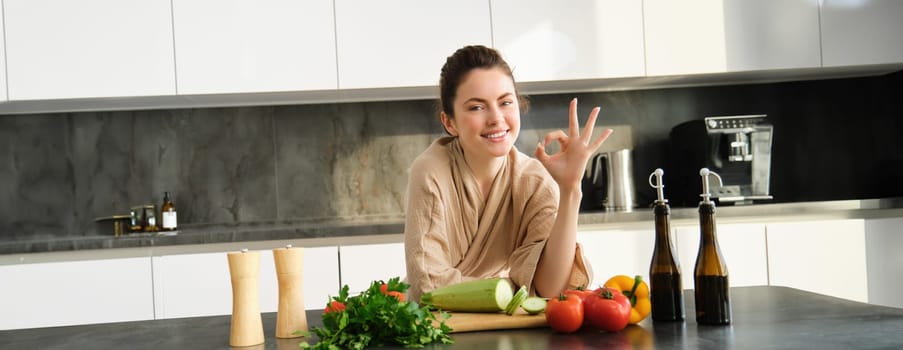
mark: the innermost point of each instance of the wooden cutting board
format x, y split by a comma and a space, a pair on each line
472, 322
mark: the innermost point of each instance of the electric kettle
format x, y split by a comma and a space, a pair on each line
608, 182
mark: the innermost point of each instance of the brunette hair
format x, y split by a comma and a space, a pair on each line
462, 62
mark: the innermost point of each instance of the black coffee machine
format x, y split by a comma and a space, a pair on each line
738, 148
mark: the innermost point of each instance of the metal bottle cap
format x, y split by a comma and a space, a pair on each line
706, 193
658, 184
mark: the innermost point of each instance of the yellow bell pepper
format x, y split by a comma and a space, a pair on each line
637, 291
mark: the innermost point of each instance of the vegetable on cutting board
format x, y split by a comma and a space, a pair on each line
534, 305
485, 295
516, 301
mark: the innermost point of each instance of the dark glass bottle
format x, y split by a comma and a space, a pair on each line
713, 304
169, 220
666, 289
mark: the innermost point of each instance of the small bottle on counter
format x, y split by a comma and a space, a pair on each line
150, 218
136, 223
666, 290
168, 214
713, 304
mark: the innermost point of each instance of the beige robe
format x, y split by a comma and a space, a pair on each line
453, 235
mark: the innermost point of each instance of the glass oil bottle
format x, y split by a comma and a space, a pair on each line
168, 214
666, 290
713, 305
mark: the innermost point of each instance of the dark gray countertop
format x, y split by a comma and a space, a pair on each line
763, 318
387, 225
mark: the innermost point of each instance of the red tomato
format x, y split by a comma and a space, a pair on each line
334, 306
397, 295
607, 310
384, 288
565, 313
580, 293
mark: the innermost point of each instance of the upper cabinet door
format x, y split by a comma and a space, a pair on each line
404, 43
585, 39
90, 48
861, 32
238, 46
713, 36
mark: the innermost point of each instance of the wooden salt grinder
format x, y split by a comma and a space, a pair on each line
290, 317
247, 326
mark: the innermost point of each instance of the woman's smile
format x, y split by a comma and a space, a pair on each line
496, 136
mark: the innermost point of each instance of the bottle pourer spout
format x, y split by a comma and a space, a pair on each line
706, 192
658, 184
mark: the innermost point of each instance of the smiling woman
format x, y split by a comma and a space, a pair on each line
476, 207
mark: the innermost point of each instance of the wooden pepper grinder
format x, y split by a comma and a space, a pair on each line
247, 326
290, 317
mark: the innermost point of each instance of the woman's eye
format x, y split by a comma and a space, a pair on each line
507, 103
475, 108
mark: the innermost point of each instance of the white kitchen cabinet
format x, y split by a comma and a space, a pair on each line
714, 36
883, 241
245, 46
58, 49
75, 292
586, 39
617, 252
363, 264
742, 247
200, 284
827, 257
404, 43
861, 32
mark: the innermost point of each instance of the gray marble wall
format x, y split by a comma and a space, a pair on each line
834, 139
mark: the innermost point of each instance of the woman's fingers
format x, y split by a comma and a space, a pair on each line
540, 153
552, 136
598, 142
558, 135
573, 124
590, 123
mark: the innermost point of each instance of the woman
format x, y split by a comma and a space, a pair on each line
476, 207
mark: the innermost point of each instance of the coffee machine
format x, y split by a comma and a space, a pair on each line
736, 147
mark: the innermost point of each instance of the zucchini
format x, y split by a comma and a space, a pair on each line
534, 305
486, 295
516, 300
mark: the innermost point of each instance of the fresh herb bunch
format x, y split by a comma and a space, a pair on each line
377, 318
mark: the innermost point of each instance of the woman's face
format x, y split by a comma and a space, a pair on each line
487, 114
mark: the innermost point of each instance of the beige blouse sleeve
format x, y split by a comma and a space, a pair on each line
426, 245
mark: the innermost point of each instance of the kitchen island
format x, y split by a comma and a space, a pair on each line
763, 318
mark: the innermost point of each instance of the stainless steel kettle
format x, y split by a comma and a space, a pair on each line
608, 182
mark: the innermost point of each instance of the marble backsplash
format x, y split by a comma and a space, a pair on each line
58, 172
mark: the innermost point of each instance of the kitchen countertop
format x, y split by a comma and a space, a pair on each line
763, 317
390, 228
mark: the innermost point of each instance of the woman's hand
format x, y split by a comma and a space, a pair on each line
568, 165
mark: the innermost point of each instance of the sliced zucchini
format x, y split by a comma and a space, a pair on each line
534, 305
516, 300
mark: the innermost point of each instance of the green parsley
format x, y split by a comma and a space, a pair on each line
375, 318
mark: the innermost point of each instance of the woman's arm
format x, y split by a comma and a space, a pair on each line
556, 262
567, 168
